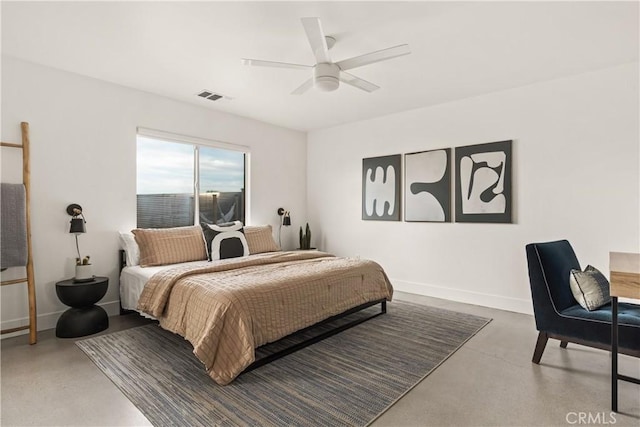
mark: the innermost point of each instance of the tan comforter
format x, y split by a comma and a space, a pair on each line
228, 308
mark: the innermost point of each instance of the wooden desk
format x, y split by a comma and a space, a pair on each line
624, 282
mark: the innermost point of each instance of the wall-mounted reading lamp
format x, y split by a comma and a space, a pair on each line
77, 223
285, 219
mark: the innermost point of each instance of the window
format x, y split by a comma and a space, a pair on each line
172, 170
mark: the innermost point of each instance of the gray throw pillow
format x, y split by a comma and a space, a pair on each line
590, 288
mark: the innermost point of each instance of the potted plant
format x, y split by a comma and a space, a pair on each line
305, 238
84, 269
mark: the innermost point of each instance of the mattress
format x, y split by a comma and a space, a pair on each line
133, 279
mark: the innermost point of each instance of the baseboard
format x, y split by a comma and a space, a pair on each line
49, 320
469, 297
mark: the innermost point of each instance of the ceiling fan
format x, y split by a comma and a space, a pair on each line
327, 75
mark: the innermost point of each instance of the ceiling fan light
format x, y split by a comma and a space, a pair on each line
326, 83
326, 76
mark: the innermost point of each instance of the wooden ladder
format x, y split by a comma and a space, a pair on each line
29, 280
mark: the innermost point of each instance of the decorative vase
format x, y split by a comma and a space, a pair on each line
84, 273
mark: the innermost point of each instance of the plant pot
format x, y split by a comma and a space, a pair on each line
84, 273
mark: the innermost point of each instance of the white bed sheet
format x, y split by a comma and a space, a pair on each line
133, 279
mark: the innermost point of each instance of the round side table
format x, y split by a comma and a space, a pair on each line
84, 317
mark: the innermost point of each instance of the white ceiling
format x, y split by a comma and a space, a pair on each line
459, 49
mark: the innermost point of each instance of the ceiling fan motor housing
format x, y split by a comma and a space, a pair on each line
326, 76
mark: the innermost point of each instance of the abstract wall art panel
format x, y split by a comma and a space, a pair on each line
427, 192
483, 182
381, 188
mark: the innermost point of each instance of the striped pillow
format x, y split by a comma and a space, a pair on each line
260, 239
161, 246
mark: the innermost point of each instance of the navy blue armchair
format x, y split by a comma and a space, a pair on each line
559, 316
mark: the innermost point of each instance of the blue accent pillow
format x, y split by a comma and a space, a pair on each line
225, 240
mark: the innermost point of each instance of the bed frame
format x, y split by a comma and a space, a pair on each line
298, 346
288, 350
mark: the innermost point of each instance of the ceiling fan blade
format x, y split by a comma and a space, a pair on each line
357, 82
303, 87
316, 39
377, 56
260, 63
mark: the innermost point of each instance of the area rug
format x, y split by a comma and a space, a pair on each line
346, 380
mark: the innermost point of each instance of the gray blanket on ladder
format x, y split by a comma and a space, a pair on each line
13, 226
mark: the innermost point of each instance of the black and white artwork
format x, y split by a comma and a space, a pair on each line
381, 188
427, 194
483, 182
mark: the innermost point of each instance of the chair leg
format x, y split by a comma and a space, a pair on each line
540, 345
563, 344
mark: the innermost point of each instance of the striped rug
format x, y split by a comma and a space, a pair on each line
346, 380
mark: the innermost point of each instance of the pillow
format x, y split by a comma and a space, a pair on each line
225, 240
260, 239
161, 246
590, 288
131, 249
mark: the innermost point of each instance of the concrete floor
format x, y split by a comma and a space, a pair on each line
489, 381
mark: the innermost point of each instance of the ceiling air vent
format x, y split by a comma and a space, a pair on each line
210, 95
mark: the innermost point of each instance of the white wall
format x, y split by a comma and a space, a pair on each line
83, 137
576, 176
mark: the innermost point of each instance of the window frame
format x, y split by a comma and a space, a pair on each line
196, 143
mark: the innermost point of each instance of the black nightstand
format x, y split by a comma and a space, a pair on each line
83, 318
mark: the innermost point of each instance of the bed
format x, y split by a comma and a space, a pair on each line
227, 308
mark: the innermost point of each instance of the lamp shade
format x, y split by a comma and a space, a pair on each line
77, 226
286, 219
